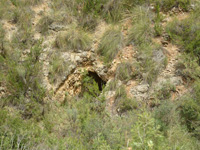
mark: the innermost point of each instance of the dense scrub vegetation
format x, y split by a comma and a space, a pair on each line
30, 119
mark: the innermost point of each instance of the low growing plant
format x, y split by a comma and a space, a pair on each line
186, 34
43, 24
73, 39
110, 44
58, 68
122, 102
124, 71
141, 32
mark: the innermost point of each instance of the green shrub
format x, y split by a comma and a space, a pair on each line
32, 3
122, 102
89, 85
58, 68
148, 68
188, 67
24, 21
62, 17
61, 5
92, 6
67, 12
88, 22
11, 134
164, 92
130, 4
23, 38
16, 133
141, 14
24, 3
22, 17
167, 115
73, 39
179, 138
100, 143
157, 25
92, 126
141, 31
169, 4
186, 34
43, 24
4, 8
112, 85
146, 133
107, 9
124, 72
15, 15
22, 78
110, 44
152, 74
113, 10
190, 111
74, 143
83, 122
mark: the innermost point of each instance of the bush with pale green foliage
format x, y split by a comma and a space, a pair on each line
168, 118
73, 39
146, 67
146, 134
190, 110
43, 24
22, 79
185, 33
124, 71
58, 68
188, 67
141, 32
122, 102
23, 3
167, 5
110, 44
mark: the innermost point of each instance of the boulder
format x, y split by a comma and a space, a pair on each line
140, 92
57, 27
158, 56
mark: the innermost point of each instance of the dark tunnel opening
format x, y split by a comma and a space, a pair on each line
101, 83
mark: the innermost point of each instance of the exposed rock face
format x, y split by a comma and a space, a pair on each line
176, 80
110, 99
158, 56
140, 92
80, 61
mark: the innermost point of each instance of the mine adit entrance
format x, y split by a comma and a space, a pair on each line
101, 83
92, 84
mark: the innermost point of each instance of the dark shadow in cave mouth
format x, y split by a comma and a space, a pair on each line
95, 76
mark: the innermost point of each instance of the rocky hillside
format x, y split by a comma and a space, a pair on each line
109, 74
